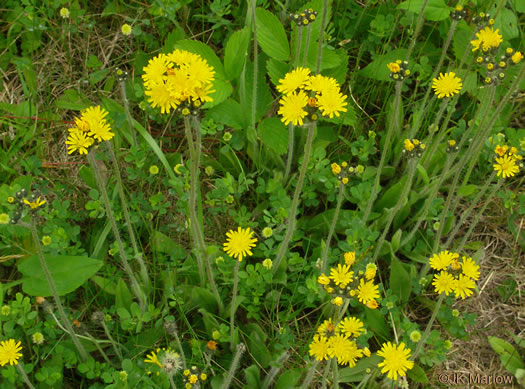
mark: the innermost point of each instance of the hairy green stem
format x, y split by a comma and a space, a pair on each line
419, 25
52, 286
404, 194
474, 223
425, 335
307, 44
137, 290
391, 129
310, 375
233, 367
113, 343
467, 212
297, 194
24, 376
203, 260
234, 298
324, 256
129, 118
324, 22
255, 65
138, 254
172, 382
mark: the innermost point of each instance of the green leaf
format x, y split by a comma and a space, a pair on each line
259, 350
519, 5
461, 41
400, 283
123, 297
274, 134
358, 372
252, 377
417, 374
236, 47
105, 284
391, 196
396, 240
164, 244
376, 323
423, 174
507, 22
510, 358
223, 90
73, 100
271, 35
230, 113
435, 10
61, 267
276, 70
377, 69
288, 379
202, 297
467, 190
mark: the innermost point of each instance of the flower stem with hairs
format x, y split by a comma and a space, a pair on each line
324, 256
24, 376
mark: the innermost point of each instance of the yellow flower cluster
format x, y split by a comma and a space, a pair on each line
454, 276
398, 70
91, 126
413, 148
343, 171
487, 39
306, 95
336, 341
507, 163
192, 377
180, 80
342, 283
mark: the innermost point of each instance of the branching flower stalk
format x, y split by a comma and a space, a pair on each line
24, 376
138, 254
203, 261
290, 228
404, 193
135, 286
52, 286
391, 129
324, 256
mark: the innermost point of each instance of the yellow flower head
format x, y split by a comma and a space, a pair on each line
331, 103
469, 268
463, 286
337, 301
319, 348
487, 39
10, 352
393, 67
367, 291
370, 271
442, 260
176, 78
506, 166
443, 283
64, 13
4, 218
79, 141
351, 326
327, 329
297, 78
349, 258
35, 204
409, 146
396, 360
239, 243
344, 349
341, 275
292, 108
446, 85
336, 169
517, 57
501, 150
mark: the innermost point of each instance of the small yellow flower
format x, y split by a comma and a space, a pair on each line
446, 85
336, 169
46, 240
463, 286
506, 166
517, 57
297, 78
349, 258
153, 170
393, 67
396, 360
442, 260
319, 348
267, 232
443, 282
341, 275
409, 146
338, 301
367, 291
126, 29
9, 352
415, 336
370, 271
470, 268
239, 243
323, 279
35, 204
10, 199
292, 108
501, 150
487, 39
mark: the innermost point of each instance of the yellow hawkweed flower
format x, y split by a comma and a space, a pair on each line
332, 103
341, 275
396, 360
367, 291
336, 169
446, 85
297, 78
349, 258
442, 260
370, 271
35, 204
487, 39
9, 352
323, 279
351, 326
338, 301
327, 329
393, 67
239, 243
517, 57
463, 286
506, 166
409, 146
319, 348
443, 282
470, 268
292, 108
79, 141
501, 150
